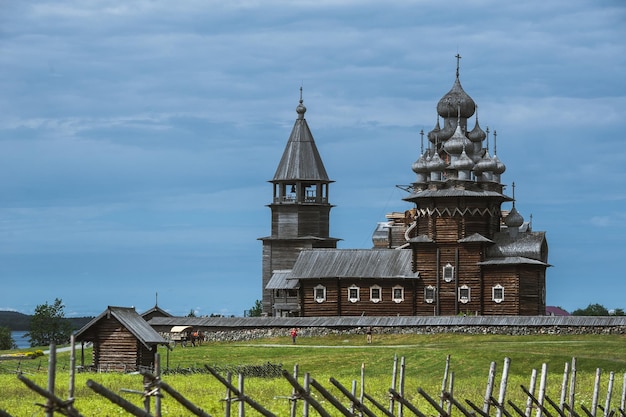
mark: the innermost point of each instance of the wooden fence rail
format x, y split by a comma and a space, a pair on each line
349, 404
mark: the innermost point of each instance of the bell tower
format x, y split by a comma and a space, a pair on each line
300, 205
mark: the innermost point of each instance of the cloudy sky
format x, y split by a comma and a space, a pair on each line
137, 138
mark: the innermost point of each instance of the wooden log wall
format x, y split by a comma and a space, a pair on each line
115, 347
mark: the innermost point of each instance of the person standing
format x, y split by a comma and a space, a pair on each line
368, 332
294, 334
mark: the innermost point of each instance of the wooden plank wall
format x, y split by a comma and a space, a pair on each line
116, 347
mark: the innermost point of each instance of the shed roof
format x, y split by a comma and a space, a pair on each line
279, 281
353, 263
130, 319
528, 245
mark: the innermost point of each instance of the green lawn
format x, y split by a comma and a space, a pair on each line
341, 357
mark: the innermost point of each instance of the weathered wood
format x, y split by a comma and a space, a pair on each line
239, 394
378, 405
305, 394
358, 405
117, 400
53, 400
432, 402
450, 398
331, 399
396, 395
175, 395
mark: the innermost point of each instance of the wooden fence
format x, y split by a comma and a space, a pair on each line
351, 403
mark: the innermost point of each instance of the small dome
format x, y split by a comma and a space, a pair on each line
464, 163
300, 110
486, 164
477, 134
433, 135
514, 219
456, 98
420, 165
436, 163
457, 143
500, 167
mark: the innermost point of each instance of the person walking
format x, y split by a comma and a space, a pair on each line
294, 334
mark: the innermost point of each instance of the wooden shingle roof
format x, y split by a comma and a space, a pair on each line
130, 319
353, 263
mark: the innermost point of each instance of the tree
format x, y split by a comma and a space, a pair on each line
49, 324
192, 313
6, 341
256, 310
591, 310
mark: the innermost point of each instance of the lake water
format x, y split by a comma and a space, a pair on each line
22, 342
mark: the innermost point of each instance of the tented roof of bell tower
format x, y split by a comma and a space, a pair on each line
301, 159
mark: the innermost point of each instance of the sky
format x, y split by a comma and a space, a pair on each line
137, 138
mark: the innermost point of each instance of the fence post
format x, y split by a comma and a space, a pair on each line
70, 390
564, 385
542, 389
401, 387
444, 382
489, 391
596, 392
52, 365
157, 392
242, 411
229, 379
572, 388
531, 389
622, 403
609, 392
294, 394
503, 383
394, 373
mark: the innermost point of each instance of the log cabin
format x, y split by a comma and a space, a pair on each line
122, 340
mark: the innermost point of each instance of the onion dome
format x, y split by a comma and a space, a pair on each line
457, 143
486, 164
477, 134
420, 165
300, 109
500, 167
514, 219
464, 163
436, 163
455, 98
433, 135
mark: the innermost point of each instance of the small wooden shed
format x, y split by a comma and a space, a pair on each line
122, 340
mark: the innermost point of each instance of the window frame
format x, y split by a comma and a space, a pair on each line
393, 294
315, 292
380, 294
467, 299
499, 288
351, 288
448, 272
428, 289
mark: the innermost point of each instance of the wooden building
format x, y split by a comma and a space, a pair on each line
461, 252
300, 208
122, 340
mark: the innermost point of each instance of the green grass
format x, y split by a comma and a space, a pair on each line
341, 357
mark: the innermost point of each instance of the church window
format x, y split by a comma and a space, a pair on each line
497, 293
375, 294
448, 273
320, 293
429, 294
464, 294
398, 294
353, 294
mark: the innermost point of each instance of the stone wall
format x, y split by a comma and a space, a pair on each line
237, 335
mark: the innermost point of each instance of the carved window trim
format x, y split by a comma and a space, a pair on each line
429, 294
354, 293
319, 293
464, 294
448, 273
398, 294
373, 297
497, 293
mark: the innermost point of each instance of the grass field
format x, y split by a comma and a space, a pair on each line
341, 357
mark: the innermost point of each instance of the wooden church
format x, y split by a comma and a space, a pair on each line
456, 252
